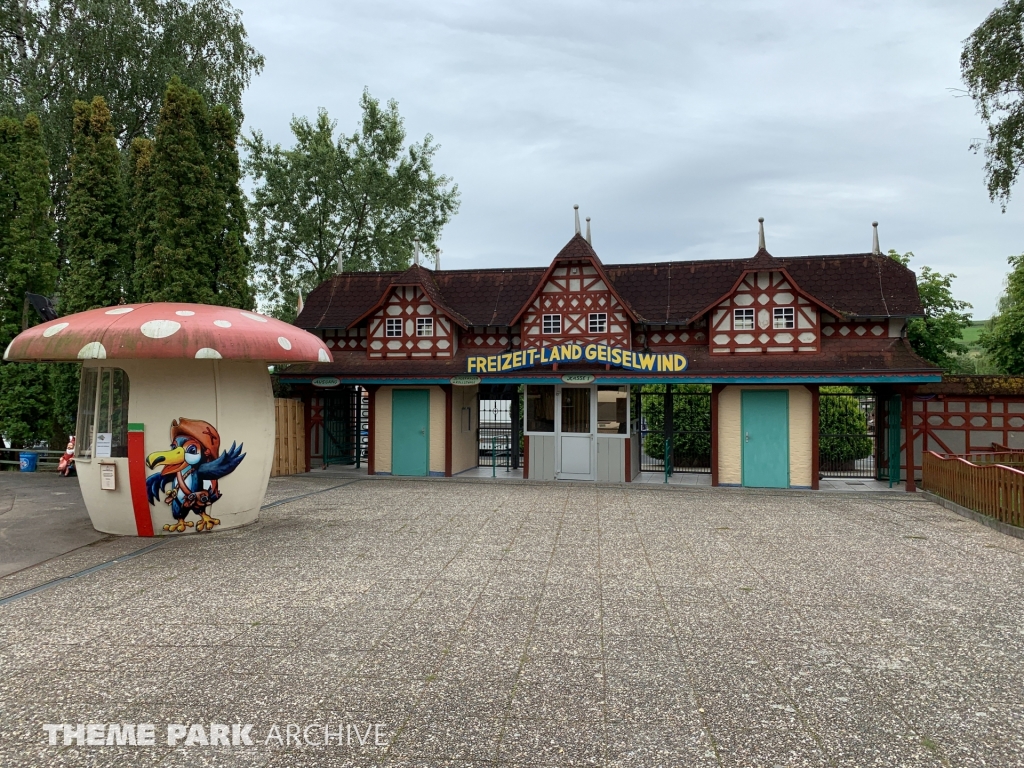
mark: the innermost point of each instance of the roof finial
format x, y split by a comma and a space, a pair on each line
341, 266
576, 211
760, 234
588, 230
437, 259
874, 239
416, 251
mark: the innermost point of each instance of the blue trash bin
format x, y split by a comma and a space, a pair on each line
27, 462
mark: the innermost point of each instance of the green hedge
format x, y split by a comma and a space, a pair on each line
689, 415
843, 434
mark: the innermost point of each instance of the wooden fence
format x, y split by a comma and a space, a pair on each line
289, 438
978, 482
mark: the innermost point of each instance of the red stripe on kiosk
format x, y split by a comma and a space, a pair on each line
137, 478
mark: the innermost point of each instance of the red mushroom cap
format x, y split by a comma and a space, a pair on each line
163, 330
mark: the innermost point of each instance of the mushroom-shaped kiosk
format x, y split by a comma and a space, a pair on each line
175, 411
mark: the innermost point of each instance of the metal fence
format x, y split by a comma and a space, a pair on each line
847, 432
499, 431
679, 413
345, 426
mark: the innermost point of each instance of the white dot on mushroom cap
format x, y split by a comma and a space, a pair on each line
119, 311
184, 312
208, 354
159, 329
251, 316
285, 344
222, 323
53, 330
92, 351
324, 357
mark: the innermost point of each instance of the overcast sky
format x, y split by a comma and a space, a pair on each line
674, 125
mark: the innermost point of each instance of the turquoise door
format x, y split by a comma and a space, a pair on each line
410, 432
766, 438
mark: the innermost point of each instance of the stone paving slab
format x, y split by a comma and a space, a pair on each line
537, 625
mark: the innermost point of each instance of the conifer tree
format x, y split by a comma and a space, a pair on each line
232, 286
98, 270
188, 208
28, 263
140, 165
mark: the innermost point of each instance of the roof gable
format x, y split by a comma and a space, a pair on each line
763, 262
577, 249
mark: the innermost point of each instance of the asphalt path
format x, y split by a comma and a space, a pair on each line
42, 516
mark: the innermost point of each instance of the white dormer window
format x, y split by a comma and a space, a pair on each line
552, 324
783, 317
743, 319
424, 326
393, 328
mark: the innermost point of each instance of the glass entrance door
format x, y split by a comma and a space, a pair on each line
576, 420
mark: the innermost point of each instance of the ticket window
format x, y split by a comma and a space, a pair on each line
612, 410
540, 408
102, 427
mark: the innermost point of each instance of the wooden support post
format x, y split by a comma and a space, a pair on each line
815, 424
517, 428
716, 390
307, 408
448, 406
907, 411
371, 428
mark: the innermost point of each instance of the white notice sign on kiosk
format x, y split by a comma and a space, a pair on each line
103, 441
108, 477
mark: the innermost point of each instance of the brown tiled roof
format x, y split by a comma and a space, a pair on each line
862, 356
856, 285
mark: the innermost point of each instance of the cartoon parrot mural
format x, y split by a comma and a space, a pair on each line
191, 467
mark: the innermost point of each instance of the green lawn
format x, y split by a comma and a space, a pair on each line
972, 333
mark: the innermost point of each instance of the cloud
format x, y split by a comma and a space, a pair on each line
674, 125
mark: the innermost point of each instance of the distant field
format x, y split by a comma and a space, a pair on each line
971, 334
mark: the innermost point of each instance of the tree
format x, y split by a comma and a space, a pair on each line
54, 52
28, 263
191, 225
233, 256
1003, 340
993, 70
353, 203
938, 336
98, 272
143, 208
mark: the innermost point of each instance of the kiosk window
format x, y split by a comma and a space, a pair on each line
102, 411
612, 410
540, 408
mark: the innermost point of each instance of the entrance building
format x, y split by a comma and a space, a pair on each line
763, 371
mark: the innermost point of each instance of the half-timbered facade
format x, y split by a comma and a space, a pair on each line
582, 342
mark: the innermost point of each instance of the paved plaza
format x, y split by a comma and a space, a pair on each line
473, 623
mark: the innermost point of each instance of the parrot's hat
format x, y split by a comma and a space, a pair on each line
199, 430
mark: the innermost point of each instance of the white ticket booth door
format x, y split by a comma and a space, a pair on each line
575, 431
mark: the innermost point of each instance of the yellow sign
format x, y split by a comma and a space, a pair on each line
647, 362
